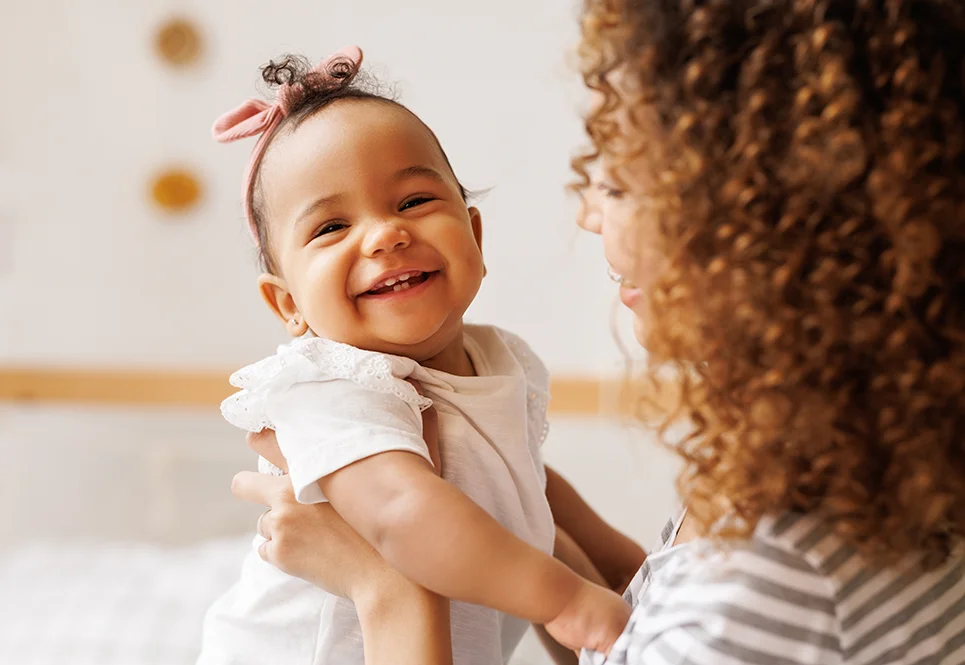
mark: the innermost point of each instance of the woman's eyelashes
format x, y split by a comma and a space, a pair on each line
610, 192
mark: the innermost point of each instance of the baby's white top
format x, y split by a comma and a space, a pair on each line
330, 405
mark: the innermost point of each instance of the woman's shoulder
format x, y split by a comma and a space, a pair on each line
789, 556
711, 601
795, 592
785, 561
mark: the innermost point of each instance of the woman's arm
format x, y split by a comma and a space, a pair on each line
402, 623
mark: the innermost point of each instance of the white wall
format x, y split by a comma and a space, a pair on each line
96, 276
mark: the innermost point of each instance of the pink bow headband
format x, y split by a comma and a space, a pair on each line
258, 117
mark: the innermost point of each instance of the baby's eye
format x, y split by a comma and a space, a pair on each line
331, 227
415, 202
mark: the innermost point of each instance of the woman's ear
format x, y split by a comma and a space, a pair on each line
475, 219
279, 299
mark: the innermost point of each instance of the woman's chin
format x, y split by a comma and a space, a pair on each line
640, 329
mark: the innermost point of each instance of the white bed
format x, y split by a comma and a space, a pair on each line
85, 604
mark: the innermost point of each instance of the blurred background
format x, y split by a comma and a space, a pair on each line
127, 288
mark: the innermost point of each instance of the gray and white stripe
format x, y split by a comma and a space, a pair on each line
793, 595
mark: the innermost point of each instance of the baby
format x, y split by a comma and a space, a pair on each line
371, 256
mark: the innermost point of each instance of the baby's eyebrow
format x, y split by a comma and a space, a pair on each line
419, 171
318, 203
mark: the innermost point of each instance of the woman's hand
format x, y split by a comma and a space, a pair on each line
308, 541
312, 541
402, 623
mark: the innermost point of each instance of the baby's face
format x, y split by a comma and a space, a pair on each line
374, 243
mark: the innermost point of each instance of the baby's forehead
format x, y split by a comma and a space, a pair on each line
373, 134
370, 119
347, 146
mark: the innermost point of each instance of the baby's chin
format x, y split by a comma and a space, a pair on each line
418, 340
419, 344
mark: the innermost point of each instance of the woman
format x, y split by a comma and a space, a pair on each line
787, 208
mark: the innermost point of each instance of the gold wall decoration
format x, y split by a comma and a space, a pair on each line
178, 42
176, 190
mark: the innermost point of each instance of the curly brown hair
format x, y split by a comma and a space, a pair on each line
804, 169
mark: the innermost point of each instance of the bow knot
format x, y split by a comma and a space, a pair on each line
257, 117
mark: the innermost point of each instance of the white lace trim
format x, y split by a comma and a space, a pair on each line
537, 385
305, 360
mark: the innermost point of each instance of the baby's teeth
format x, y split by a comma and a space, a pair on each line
390, 282
397, 287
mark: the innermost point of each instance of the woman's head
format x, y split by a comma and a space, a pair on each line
797, 168
364, 231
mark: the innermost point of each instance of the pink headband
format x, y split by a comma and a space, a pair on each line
256, 116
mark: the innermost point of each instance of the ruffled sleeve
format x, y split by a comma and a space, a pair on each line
314, 359
330, 405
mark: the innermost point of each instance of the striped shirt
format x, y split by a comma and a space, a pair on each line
793, 594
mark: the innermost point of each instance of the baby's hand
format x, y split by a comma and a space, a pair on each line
593, 619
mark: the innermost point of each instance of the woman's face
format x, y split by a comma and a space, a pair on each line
628, 245
617, 209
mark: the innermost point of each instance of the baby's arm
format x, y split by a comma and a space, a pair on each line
435, 535
615, 555
441, 539
368, 458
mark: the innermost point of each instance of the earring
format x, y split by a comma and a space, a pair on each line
294, 321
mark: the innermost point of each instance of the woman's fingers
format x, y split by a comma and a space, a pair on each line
263, 527
261, 488
265, 443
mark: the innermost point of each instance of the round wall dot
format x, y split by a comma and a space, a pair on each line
178, 42
176, 190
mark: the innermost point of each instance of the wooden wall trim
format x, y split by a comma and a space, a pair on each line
571, 395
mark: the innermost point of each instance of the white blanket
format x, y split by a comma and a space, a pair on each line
69, 604
73, 604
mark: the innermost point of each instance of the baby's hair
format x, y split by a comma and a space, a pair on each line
319, 91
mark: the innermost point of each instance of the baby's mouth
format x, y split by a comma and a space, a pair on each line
399, 283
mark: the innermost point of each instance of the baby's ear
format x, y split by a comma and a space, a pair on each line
279, 299
475, 219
